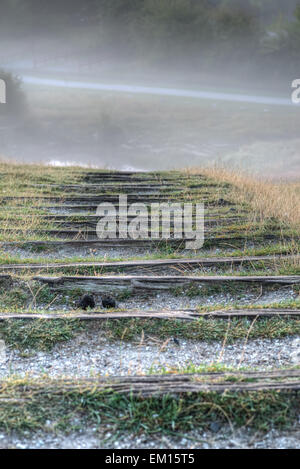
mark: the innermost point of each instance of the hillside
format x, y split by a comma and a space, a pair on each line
202, 347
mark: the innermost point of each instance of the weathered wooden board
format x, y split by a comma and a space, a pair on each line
91, 223
96, 199
136, 283
139, 177
67, 218
87, 235
109, 243
113, 187
185, 315
196, 263
90, 203
4, 278
150, 385
142, 243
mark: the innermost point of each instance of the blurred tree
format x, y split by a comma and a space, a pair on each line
232, 20
203, 31
15, 106
272, 9
172, 27
294, 36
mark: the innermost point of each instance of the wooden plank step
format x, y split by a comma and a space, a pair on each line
185, 315
93, 207
136, 283
144, 176
91, 224
109, 186
139, 243
211, 232
88, 239
132, 179
133, 187
115, 172
4, 278
91, 234
94, 198
94, 218
198, 262
81, 204
104, 243
156, 385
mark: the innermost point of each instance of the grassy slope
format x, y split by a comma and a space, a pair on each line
31, 409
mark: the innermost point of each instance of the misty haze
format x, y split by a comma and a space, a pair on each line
150, 227
151, 84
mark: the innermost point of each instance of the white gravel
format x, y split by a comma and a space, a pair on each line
102, 438
165, 299
90, 353
66, 252
100, 252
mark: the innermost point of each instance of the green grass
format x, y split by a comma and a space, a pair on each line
39, 334
43, 334
236, 289
289, 304
201, 330
25, 294
27, 405
270, 249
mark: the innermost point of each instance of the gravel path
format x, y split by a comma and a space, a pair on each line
66, 252
166, 300
100, 438
90, 353
110, 253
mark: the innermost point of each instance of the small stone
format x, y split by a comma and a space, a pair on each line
295, 357
87, 301
108, 302
215, 427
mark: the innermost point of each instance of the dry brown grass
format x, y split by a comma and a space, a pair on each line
280, 200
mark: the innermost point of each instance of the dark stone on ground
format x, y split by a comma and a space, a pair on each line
215, 427
87, 301
223, 202
108, 302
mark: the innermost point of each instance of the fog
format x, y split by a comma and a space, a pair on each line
151, 84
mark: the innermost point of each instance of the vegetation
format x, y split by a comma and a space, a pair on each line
259, 210
203, 32
39, 334
54, 405
268, 200
44, 334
